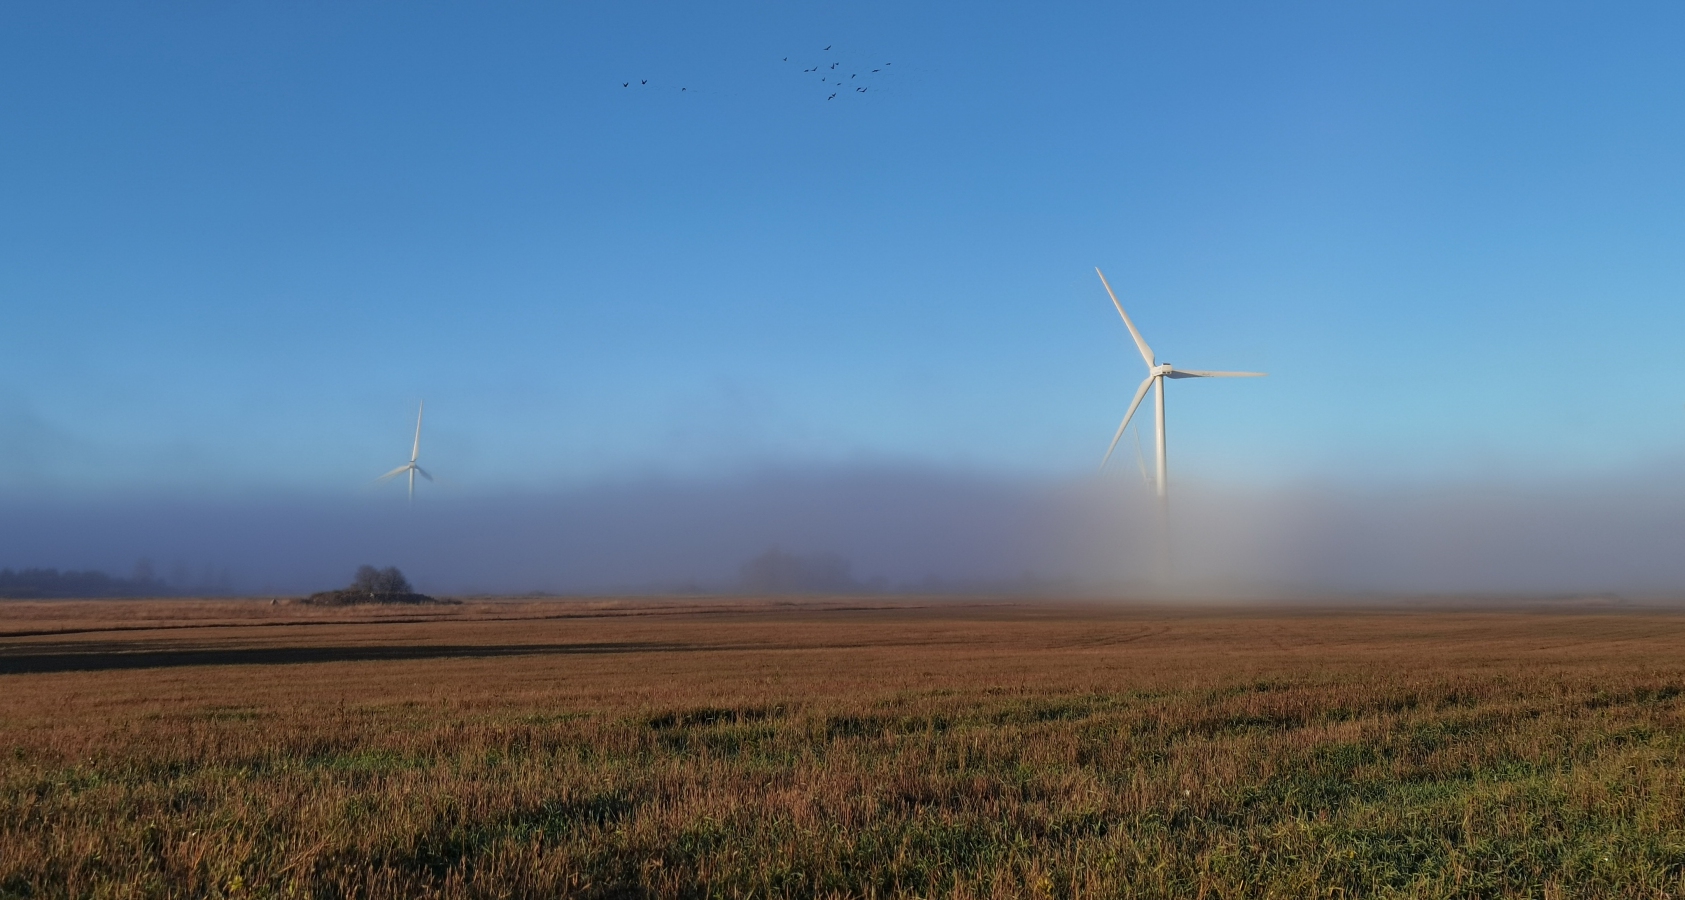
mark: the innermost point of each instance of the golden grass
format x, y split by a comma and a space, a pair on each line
846, 749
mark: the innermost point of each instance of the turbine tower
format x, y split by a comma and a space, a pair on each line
1156, 373
415, 450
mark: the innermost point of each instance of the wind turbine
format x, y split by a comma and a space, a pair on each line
415, 451
1156, 373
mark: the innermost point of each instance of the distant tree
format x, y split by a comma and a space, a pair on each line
389, 580
51, 583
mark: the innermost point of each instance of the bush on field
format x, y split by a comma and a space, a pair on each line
372, 585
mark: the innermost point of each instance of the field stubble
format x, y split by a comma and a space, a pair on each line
847, 749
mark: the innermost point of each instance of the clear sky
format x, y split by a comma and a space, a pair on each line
240, 241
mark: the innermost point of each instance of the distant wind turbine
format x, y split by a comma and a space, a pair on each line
1156, 373
415, 451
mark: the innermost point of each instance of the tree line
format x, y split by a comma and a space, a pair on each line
45, 584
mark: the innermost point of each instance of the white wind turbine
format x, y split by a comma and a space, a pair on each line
415, 451
1156, 373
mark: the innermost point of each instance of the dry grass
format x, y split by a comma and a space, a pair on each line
625, 749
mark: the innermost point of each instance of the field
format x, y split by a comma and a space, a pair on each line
863, 748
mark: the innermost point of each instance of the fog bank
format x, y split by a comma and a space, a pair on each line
900, 528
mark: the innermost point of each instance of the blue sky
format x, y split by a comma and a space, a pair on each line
238, 242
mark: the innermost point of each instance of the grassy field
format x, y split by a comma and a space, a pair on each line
838, 749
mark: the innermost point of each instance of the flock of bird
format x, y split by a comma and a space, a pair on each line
831, 76
835, 79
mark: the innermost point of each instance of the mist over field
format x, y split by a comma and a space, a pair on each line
899, 528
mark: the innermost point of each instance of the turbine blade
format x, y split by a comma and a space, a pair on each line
1140, 342
424, 473
1139, 393
416, 450
398, 471
1203, 373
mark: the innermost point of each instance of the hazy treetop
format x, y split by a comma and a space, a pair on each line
370, 580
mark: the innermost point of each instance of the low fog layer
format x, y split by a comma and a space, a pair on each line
900, 529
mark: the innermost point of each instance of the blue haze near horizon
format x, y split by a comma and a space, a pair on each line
240, 242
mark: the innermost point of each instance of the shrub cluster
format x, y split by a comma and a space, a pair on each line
372, 585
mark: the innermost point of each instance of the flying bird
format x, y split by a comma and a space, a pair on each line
626, 84
786, 59
853, 76
874, 70
645, 81
827, 46
832, 97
